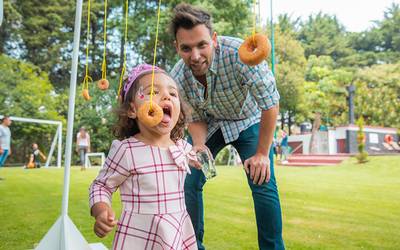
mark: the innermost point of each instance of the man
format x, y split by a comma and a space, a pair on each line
5, 139
231, 103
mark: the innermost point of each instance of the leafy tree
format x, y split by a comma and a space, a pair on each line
377, 96
28, 93
325, 91
289, 73
322, 34
362, 154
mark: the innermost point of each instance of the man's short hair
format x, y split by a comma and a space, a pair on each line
187, 16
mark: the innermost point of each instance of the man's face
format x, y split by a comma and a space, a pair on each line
195, 46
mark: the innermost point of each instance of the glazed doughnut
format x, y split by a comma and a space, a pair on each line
85, 94
150, 117
103, 84
254, 49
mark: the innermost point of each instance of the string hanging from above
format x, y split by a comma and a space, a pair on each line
87, 78
123, 70
255, 48
103, 83
151, 113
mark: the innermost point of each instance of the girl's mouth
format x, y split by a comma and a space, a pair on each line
167, 114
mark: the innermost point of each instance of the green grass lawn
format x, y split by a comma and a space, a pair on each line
350, 206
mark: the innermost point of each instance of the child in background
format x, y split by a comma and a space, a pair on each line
34, 159
149, 166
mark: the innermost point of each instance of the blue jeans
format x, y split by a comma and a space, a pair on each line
3, 157
82, 152
266, 199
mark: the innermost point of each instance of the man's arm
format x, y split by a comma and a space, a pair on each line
198, 132
258, 166
267, 128
262, 86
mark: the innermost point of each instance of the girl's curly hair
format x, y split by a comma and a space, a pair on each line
127, 127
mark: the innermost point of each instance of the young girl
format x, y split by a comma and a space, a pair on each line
148, 165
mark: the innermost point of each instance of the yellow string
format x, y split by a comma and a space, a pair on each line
125, 39
104, 64
155, 54
254, 21
87, 78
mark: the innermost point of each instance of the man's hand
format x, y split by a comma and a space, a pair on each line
105, 220
1, 151
258, 167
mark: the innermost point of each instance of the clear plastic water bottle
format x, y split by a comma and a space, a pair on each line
207, 164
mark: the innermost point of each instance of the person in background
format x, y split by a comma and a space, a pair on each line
34, 159
5, 139
82, 144
284, 147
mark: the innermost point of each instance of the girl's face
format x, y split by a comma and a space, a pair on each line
165, 94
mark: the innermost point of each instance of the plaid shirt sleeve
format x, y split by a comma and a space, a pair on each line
261, 84
114, 172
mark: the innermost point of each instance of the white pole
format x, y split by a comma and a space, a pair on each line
59, 146
71, 106
53, 145
1, 12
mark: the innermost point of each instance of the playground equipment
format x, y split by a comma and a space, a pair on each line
87, 161
56, 140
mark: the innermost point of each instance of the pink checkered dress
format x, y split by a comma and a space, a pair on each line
151, 181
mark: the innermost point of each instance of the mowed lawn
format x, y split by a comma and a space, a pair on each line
349, 206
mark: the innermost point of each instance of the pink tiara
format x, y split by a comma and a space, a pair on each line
135, 73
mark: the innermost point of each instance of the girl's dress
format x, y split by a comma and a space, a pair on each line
151, 181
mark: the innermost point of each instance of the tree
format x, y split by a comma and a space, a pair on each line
27, 93
289, 74
322, 34
377, 96
325, 91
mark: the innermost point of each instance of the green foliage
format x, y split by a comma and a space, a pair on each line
362, 154
324, 91
28, 93
377, 94
289, 72
322, 34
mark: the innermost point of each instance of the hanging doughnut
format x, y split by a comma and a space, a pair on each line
85, 94
254, 49
103, 84
150, 117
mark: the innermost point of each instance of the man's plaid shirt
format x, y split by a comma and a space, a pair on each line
236, 93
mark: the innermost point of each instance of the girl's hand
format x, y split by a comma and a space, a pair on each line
105, 222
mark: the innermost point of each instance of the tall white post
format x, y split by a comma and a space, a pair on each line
71, 106
1, 12
59, 146
64, 235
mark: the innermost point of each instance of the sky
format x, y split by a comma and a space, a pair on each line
355, 15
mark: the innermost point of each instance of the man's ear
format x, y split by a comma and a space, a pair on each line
214, 39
